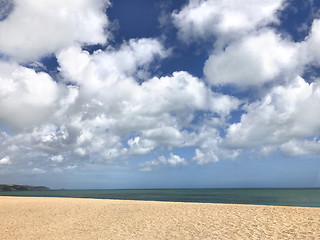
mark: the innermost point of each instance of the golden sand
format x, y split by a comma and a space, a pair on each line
66, 218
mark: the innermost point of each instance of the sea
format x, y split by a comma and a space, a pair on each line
302, 197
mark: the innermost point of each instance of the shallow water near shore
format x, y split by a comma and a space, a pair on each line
302, 197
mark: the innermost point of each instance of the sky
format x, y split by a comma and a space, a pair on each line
99, 94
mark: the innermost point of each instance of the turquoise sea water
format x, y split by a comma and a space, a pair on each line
281, 197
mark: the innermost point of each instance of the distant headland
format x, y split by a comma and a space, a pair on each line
18, 187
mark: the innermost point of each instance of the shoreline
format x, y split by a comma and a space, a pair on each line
85, 218
261, 197
156, 201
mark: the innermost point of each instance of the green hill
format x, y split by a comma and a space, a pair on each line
16, 187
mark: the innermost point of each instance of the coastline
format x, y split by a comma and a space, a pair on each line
270, 197
83, 218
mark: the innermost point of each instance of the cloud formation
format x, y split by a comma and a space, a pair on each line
311, 52
223, 20
99, 112
255, 59
111, 105
5, 161
172, 161
248, 52
284, 116
27, 98
35, 29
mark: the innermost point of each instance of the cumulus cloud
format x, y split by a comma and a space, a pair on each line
287, 113
310, 47
37, 28
172, 161
5, 161
38, 171
132, 58
27, 98
57, 158
210, 146
156, 109
223, 19
301, 147
254, 60
247, 50
107, 106
105, 114
140, 146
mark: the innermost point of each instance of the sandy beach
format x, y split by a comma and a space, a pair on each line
66, 218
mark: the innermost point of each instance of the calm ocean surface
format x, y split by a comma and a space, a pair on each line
282, 197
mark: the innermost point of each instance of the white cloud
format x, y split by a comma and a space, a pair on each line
223, 104
26, 98
80, 151
38, 171
88, 126
131, 59
107, 115
223, 19
211, 146
254, 60
57, 158
149, 165
156, 110
29, 98
172, 161
286, 113
37, 28
140, 146
175, 160
310, 48
5, 161
301, 147
203, 157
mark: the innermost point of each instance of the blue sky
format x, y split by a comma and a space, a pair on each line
160, 94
